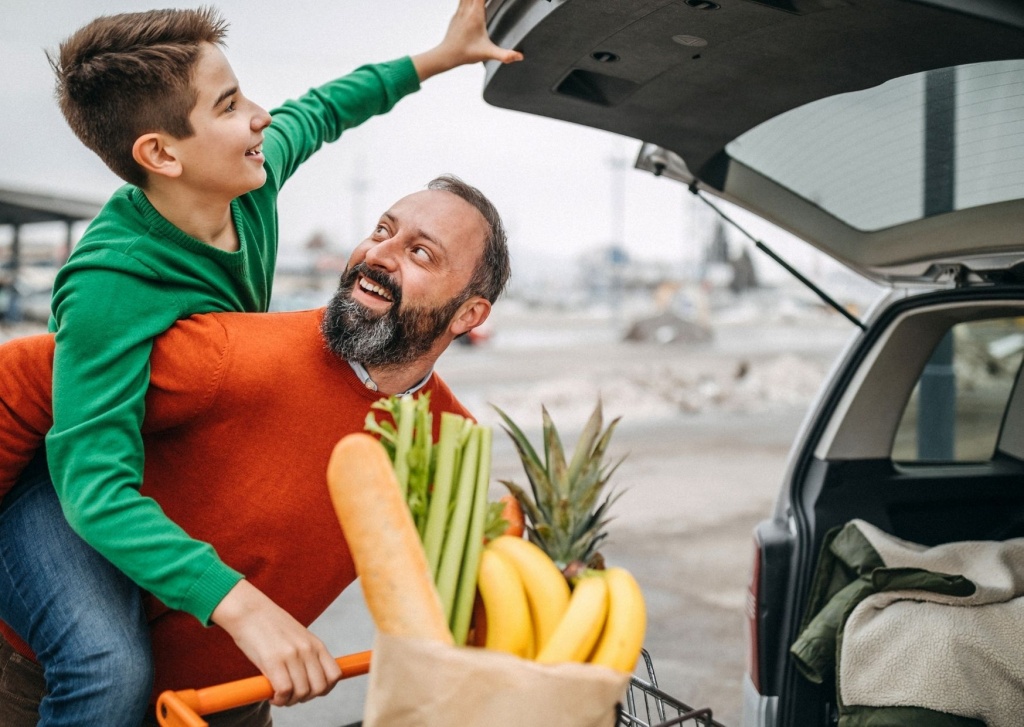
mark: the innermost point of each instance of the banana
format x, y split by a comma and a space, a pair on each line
509, 627
623, 635
547, 591
580, 627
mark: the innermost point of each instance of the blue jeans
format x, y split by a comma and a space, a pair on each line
82, 617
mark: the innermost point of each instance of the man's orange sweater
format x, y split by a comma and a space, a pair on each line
242, 413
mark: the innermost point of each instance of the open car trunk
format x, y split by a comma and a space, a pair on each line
921, 435
880, 131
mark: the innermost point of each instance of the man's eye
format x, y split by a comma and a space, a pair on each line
231, 106
422, 253
380, 231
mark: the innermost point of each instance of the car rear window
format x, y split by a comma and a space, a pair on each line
913, 147
959, 403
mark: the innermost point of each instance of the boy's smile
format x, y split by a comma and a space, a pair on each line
224, 156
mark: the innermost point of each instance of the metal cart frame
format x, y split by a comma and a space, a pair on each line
648, 706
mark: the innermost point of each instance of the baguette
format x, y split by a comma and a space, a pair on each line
386, 549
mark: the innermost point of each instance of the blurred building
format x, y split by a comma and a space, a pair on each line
18, 210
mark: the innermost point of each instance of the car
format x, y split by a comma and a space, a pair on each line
888, 134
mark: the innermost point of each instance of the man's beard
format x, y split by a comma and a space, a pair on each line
395, 337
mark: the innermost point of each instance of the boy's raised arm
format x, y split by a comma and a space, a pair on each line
465, 42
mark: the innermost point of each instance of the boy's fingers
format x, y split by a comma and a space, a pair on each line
300, 678
504, 55
316, 683
282, 684
331, 669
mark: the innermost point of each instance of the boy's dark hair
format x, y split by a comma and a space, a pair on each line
122, 76
492, 273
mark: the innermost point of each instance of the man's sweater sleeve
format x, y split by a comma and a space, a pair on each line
179, 390
25, 411
300, 127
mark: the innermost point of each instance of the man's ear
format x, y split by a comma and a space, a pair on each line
472, 313
153, 153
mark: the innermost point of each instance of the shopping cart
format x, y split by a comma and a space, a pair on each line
645, 706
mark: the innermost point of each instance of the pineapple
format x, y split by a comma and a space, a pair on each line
566, 516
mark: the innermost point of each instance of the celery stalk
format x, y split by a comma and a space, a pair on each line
455, 541
405, 420
466, 591
421, 465
437, 514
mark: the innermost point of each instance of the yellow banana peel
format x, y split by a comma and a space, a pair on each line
623, 636
547, 591
582, 623
509, 627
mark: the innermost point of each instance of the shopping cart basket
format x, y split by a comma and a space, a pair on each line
645, 705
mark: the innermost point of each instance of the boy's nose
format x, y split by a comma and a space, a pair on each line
260, 119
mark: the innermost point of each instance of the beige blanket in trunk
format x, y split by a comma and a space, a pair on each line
961, 655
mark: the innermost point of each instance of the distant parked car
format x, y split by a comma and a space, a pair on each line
889, 134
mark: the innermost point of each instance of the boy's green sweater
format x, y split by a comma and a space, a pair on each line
130, 278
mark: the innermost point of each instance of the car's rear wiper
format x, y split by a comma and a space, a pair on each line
774, 256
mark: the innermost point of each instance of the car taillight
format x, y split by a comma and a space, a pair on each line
753, 609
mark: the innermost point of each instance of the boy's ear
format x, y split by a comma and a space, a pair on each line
152, 153
472, 313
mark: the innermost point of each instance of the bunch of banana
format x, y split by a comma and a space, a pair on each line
532, 613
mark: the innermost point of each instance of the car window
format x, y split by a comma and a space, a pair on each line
958, 404
913, 147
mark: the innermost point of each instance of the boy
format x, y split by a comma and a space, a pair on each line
195, 230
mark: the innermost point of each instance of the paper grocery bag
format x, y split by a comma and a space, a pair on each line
420, 683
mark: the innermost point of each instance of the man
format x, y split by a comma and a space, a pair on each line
244, 409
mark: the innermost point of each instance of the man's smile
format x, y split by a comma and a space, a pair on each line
379, 295
371, 287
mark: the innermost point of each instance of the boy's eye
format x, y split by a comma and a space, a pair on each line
231, 106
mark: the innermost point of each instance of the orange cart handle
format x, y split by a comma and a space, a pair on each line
183, 708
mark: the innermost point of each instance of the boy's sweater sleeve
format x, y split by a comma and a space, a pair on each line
300, 127
106, 322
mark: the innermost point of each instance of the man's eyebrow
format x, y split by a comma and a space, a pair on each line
420, 232
431, 238
227, 94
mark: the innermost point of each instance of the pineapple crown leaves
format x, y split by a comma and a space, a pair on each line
564, 515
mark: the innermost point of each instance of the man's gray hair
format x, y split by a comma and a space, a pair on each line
493, 271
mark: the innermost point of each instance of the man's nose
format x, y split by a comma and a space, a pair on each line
383, 254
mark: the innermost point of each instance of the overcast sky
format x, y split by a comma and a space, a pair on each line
552, 181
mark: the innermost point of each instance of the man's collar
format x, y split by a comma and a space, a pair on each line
369, 383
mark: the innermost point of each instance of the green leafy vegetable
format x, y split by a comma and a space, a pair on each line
446, 487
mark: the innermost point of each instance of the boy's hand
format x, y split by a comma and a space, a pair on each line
465, 42
295, 661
